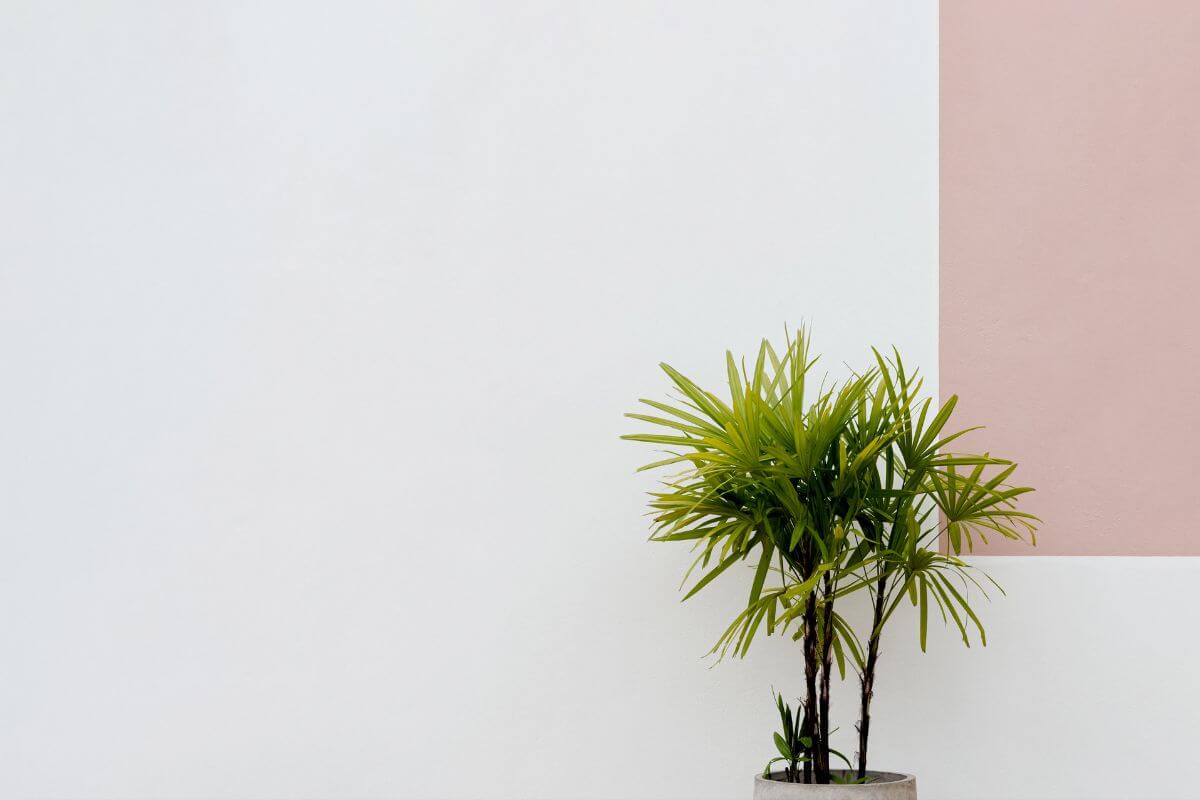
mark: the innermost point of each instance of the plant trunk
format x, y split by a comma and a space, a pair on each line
812, 767
822, 765
868, 676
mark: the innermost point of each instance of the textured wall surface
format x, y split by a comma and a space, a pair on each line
1070, 193
1070, 206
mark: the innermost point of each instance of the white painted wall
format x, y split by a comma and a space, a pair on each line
1087, 688
316, 325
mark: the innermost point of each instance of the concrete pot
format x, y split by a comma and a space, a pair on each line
884, 786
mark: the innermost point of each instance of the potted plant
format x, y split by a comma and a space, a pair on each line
855, 493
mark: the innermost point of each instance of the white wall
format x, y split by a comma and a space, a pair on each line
317, 322
1087, 687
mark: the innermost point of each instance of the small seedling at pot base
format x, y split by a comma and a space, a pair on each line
857, 492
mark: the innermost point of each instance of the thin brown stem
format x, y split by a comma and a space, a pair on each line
811, 713
868, 675
822, 766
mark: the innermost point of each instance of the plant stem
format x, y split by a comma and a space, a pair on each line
868, 676
811, 717
822, 757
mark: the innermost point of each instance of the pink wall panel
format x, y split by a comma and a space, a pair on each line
1070, 260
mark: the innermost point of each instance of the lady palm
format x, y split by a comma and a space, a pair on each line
838, 496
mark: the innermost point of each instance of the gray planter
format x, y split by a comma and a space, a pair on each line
883, 786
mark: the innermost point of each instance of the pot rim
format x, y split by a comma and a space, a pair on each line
890, 779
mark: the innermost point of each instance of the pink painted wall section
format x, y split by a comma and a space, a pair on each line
1070, 260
